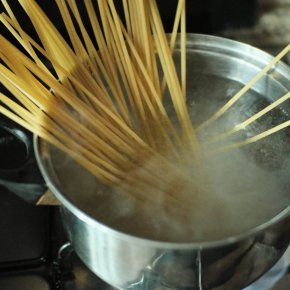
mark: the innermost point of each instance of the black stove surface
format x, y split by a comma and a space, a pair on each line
35, 254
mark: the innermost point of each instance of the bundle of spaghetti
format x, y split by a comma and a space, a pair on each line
104, 104
102, 107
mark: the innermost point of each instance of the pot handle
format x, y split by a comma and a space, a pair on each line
19, 172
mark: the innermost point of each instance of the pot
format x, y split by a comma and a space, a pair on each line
217, 67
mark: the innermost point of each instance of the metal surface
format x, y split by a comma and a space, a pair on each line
27, 281
275, 279
24, 232
125, 261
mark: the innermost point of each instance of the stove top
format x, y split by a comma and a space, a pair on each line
35, 254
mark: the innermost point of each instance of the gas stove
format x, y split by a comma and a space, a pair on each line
35, 254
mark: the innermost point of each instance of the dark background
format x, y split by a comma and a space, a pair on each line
203, 16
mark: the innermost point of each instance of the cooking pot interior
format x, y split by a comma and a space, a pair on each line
249, 185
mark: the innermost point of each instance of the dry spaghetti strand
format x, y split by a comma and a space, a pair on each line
248, 86
250, 120
255, 138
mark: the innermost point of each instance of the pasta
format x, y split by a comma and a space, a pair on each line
104, 105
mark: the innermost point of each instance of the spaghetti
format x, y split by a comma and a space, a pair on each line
104, 106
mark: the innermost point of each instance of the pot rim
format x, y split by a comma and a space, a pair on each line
69, 205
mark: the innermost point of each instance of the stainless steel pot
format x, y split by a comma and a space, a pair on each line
216, 68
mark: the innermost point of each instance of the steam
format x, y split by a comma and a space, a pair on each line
233, 192
224, 196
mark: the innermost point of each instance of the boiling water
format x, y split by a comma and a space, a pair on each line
240, 189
